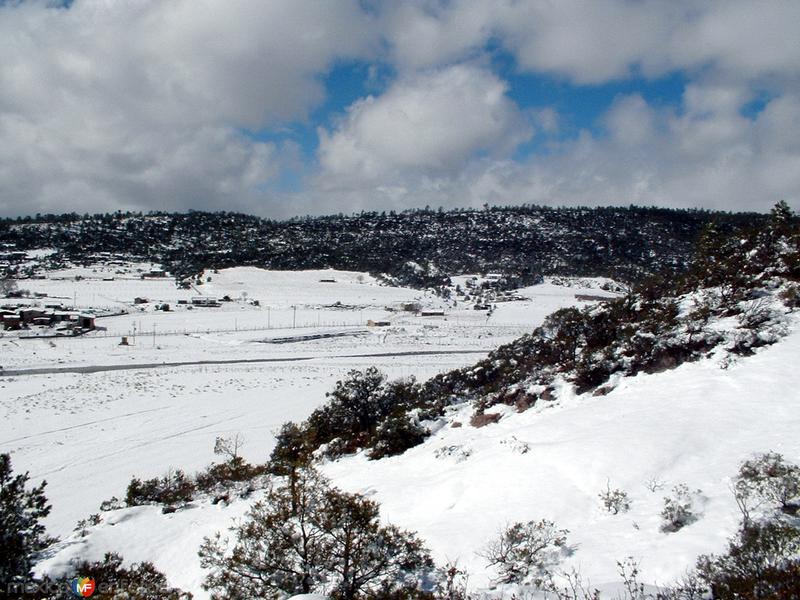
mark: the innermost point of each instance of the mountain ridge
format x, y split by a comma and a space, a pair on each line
419, 248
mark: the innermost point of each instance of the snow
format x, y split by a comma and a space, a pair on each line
692, 425
87, 434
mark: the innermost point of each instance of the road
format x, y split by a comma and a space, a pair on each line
186, 363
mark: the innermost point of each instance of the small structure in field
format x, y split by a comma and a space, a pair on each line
431, 313
371, 323
207, 301
589, 298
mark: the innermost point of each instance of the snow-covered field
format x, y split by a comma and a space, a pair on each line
88, 433
291, 305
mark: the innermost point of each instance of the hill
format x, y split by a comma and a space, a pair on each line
419, 248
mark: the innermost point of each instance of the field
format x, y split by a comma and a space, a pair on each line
87, 433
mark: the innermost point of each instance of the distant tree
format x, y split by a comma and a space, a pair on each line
7, 285
22, 534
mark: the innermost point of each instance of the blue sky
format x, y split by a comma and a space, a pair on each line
284, 107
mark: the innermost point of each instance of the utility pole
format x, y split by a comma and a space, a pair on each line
294, 317
268, 318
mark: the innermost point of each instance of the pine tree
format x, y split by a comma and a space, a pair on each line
22, 535
309, 537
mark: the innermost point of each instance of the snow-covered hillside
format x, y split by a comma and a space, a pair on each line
691, 425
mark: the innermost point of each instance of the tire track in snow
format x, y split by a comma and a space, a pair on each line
82, 425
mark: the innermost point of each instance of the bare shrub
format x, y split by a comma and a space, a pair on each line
527, 552
680, 509
615, 501
768, 478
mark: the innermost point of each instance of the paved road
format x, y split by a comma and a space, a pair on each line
185, 363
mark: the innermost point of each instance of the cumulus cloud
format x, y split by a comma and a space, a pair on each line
697, 157
119, 104
703, 151
146, 104
429, 123
594, 42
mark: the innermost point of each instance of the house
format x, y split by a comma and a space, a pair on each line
12, 322
86, 321
208, 301
27, 315
154, 274
9, 319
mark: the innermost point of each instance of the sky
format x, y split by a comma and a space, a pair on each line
294, 107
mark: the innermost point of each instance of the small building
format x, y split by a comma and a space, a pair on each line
12, 322
86, 321
371, 323
140, 300
208, 301
327, 281
27, 315
431, 313
154, 274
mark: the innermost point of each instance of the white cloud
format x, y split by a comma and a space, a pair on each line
712, 158
141, 104
428, 123
596, 41
145, 104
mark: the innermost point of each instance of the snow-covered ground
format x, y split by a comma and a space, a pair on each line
87, 434
692, 425
291, 305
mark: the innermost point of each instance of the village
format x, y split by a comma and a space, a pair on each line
118, 312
